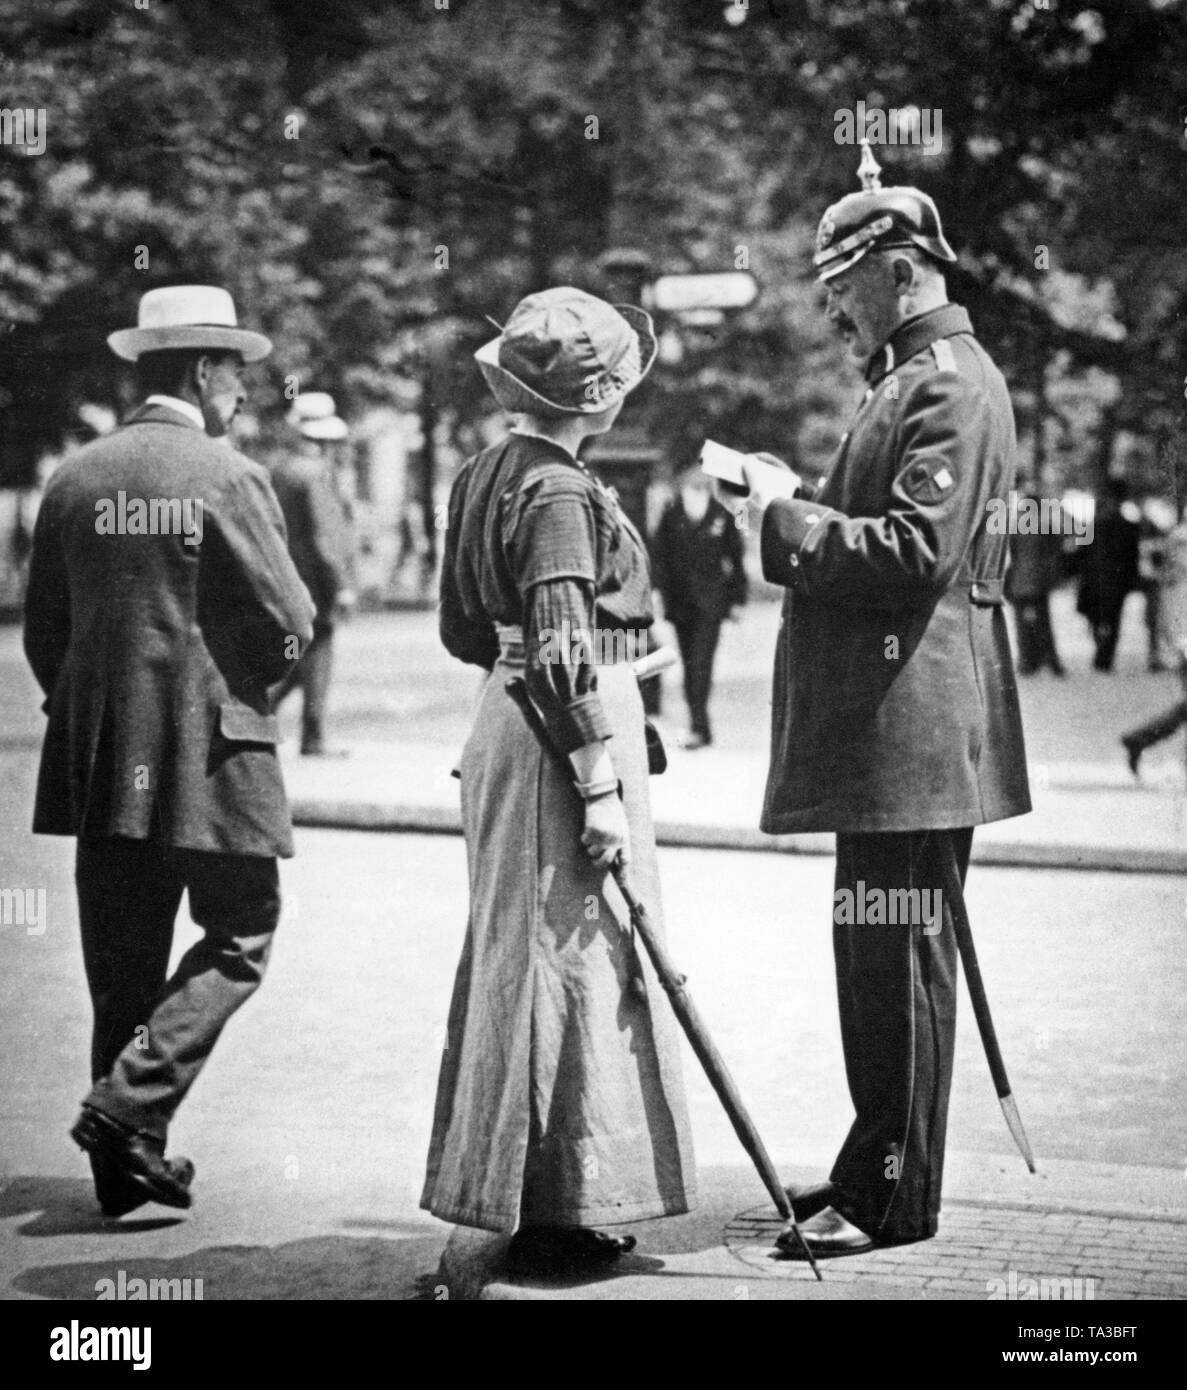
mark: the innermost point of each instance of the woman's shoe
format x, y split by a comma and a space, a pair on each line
551, 1249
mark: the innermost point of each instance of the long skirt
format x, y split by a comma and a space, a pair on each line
560, 1100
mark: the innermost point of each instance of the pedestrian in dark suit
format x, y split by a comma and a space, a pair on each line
697, 566
895, 717
319, 538
1110, 570
1036, 565
161, 605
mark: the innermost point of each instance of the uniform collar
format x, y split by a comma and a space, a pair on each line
915, 335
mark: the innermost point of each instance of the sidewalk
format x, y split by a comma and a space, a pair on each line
1086, 816
1077, 1231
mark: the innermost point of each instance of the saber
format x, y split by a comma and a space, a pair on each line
673, 983
954, 894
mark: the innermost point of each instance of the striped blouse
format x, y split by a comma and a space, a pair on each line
534, 540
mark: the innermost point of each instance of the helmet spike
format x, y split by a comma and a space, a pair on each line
869, 169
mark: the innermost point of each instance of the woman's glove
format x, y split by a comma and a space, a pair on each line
606, 834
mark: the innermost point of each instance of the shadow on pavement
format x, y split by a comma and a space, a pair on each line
65, 1207
320, 1267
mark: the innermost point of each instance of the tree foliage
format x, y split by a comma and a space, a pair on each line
447, 161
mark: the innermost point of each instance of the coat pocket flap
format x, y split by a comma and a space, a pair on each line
242, 724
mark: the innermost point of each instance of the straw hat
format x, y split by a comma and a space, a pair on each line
314, 417
188, 316
565, 352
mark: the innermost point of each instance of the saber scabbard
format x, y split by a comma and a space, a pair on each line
954, 893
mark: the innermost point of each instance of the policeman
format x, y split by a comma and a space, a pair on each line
895, 717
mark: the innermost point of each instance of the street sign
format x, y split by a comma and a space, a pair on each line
677, 294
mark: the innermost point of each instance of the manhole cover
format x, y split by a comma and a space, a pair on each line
751, 1237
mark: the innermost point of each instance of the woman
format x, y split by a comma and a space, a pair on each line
560, 1106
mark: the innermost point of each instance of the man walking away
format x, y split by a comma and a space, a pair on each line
161, 605
697, 565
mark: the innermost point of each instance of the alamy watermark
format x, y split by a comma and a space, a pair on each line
23, 127
137, 1290
79, 1342
23, 907
1023, 1287
152, 516
889, 907
907, 125
1015, 515
599, 646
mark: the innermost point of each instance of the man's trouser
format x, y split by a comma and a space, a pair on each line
1036, 639
896, 986
697, 636
1163, 725
152, 1036
312, 674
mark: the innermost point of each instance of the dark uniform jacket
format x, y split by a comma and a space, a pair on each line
698, 565
318, 531
155, 655
895, 705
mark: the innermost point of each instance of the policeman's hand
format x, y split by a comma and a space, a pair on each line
766, 486
606, 833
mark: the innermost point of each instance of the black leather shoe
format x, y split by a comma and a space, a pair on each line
117, 1195
556, 1249
131, 1160
809, 1198
827, 1235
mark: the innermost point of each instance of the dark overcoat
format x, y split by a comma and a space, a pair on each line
155, 653
895, 705
318, 531
698, 566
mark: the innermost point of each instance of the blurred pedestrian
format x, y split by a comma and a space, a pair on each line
321, 543
1157, 521
895, 715
1036, 561
1173, 631
1109, 572
161, 604
560, 1105
698, 568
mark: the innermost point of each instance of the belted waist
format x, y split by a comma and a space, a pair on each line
987, 593
511, 646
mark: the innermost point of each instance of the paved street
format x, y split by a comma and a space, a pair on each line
310, 1125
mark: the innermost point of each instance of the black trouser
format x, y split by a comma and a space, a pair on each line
1036, 640
697, 635
896, 987
1106, 629
312, 674
1163, 725
152, 1036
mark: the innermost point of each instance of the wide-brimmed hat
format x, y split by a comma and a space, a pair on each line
566, 352
314, 416
188, 316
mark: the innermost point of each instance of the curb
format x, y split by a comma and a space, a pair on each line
394, 817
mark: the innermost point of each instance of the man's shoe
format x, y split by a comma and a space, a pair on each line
1133, 753
808, 1199
117, 1195
322, 750
132, 1160
695, 741
828, 1235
